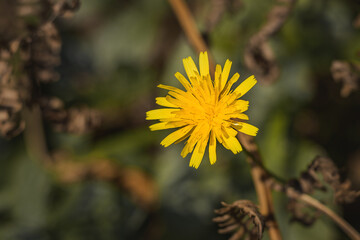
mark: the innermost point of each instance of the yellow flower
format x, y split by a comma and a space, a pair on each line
205, 112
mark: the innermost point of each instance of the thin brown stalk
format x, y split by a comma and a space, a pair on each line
189, 27
263, 191
344, 225
265, 200
310, 201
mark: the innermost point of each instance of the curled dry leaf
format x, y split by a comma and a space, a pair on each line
80, 120
260, 59
302, 214
310, 180
11, 102
259, 56
11, 123
65, 8
330, 174
45, 53
347, 74
73, 120
241, 217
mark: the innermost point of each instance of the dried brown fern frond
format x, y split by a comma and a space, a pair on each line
241, 217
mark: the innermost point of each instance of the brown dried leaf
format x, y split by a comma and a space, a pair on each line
11, 123
344, 194
44, 53
299, 213
73, 120
65, 8
12, 127
310, 180
345, 73
259, 56
260, 59
241, 217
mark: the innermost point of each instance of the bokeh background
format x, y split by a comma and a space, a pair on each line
113, 180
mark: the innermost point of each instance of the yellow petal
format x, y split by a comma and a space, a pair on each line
245, 86
186, 150
185, 136
166, 125
241, 105
247, 129
237, 108
198, 153
217, 133
209, 88
212, 148
161, 113
183, 81
171, 88
190, 67
163, 102
224, 132
183, 99
228, 86
217, 79
241, 116
174, 101
171, 138
200, 131
225, 74
233, 144
204, 64
228, 131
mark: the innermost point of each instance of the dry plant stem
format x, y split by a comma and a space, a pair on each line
191, 31
34, 135
263, 191
265, 199
344, 225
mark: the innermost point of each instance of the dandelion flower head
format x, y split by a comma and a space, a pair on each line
205, 112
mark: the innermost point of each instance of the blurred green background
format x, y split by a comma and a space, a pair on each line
114, 53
